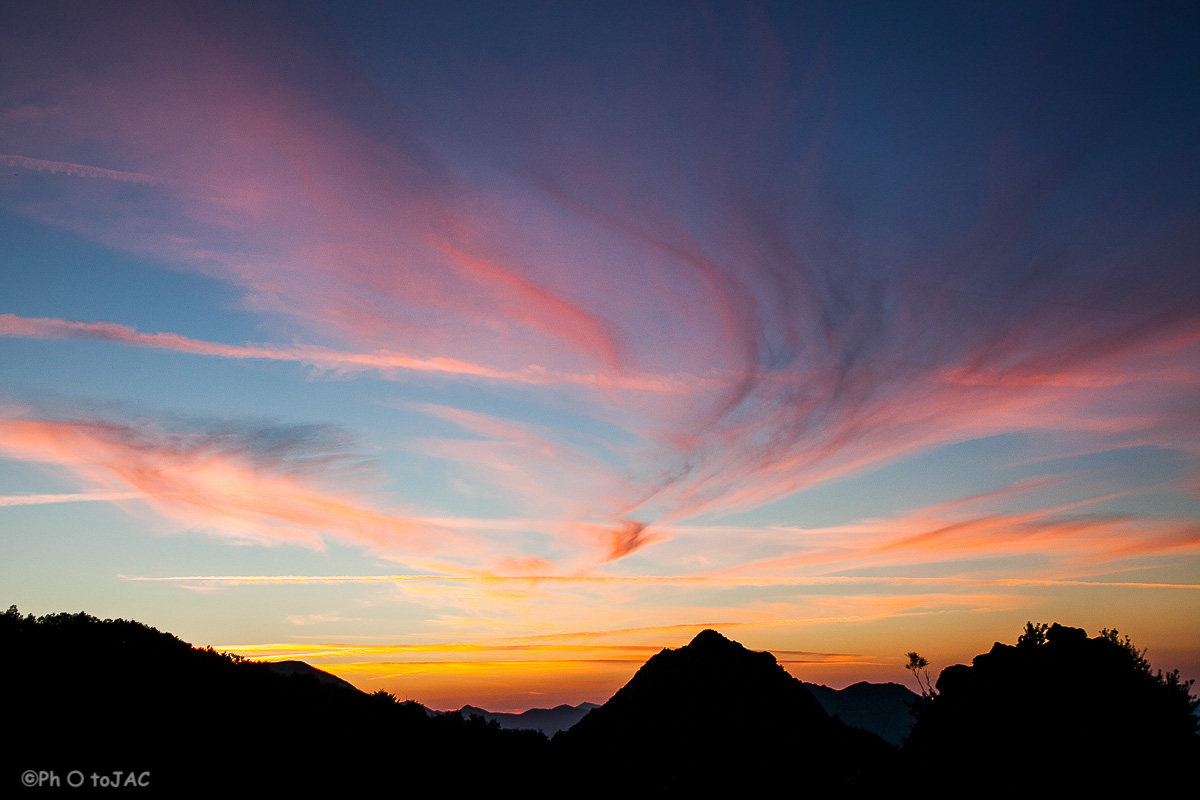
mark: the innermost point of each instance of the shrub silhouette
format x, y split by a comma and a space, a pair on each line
1090, 712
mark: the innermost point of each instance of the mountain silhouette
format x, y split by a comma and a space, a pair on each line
547, 720
715, 716
299, 668
884, 709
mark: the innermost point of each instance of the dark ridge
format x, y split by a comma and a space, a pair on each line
690, 715
95, 696
300, 669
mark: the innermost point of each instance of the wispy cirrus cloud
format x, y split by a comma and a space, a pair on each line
324, 358
834, 318
571, 485
74, 170
353, 229
256, 483
72, 497
1054, 541
682, 580
317, 619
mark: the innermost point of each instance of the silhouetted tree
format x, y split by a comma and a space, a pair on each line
1089, 712
917, 665
1034, 635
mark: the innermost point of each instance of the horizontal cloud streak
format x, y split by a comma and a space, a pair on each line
323, 357
76, 170
84, 497
239, 482
713, 580
1056, 541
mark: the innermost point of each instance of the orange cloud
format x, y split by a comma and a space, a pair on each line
1063, 540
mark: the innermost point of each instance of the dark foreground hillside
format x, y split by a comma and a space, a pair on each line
95, 700
97, 696
1058, 711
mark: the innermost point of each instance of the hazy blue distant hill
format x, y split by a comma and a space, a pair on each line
547, 720
884, 709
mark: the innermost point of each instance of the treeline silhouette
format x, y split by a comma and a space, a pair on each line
102, 695
1057, 710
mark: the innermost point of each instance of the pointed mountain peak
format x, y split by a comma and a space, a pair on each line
708, 649
710, 670
715, 702
710, 638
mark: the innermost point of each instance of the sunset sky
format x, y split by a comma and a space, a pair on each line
478, 351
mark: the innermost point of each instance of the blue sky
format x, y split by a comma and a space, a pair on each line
558, 332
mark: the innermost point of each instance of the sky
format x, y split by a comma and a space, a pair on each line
478, 351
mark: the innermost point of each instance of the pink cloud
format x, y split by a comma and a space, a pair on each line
801, 347
546, 475
381, 361
224, 481
1061, 539
628, 538
332, 223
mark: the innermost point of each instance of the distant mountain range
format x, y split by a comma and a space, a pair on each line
547, 720
884, 709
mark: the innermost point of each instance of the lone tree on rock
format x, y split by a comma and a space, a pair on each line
918, 665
